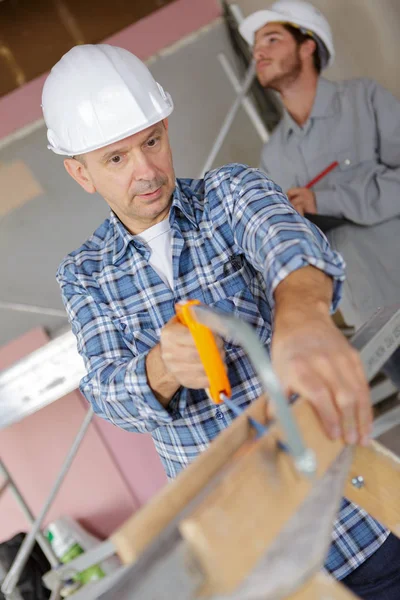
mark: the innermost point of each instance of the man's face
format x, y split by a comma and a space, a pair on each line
277, 56
135, 176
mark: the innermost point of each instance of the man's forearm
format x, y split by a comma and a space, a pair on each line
162, 383
305, 293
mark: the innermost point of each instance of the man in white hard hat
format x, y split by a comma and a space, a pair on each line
354, 127
231, 240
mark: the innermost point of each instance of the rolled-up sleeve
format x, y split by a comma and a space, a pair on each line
275, 239
116, 382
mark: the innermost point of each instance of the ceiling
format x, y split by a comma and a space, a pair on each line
34, 35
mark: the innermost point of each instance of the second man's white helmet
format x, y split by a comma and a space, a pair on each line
99, 94
292, 12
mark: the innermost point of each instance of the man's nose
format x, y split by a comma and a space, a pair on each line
144, 168
259, 52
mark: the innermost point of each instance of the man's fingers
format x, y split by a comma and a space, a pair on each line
356, 377
350, 393
343, 393
299, 207
306, 382
295, 191
189, 374
352, 397
181, 357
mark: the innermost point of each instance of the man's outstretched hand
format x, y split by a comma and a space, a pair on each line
313, 359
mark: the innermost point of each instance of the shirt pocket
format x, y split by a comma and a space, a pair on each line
138, 332
230, 275
236, 290
349, 160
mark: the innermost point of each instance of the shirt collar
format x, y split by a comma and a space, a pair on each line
325, 105
121, 237
184, 203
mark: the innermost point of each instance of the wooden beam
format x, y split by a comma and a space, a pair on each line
144, 526
252, 491
232, 528
380, 492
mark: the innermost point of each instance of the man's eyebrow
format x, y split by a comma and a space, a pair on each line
271, 33
157, 128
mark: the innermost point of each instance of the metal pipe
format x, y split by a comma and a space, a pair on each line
18, 565
226, 125
31, 308
236, 12
386, 422
56, 593
247, 103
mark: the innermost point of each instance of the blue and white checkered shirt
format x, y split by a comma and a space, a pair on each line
235, 238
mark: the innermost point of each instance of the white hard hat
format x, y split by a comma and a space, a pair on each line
293, 12
99, 94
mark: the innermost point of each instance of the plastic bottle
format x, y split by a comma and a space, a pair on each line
66, 548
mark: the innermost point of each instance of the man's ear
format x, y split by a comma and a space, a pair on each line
308, 48
166, 124
79, 172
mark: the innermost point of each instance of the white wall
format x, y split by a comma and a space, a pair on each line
366, 36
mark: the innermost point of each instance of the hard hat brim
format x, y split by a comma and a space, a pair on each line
254, 22
121, 136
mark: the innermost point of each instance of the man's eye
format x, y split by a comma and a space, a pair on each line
152, 142
116, 159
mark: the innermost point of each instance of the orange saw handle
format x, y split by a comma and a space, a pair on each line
207, 349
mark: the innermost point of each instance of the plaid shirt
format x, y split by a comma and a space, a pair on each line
235, 238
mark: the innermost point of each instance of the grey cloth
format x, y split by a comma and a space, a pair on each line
356, 123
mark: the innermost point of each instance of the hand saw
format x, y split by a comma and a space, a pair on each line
202, 322
173, 565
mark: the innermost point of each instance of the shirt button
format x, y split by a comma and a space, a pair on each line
347, 162
219, 415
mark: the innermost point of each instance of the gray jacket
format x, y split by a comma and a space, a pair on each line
356, 123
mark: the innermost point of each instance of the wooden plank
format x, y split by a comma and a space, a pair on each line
145, 525
323, 587
242, 514
231, 529
380, 493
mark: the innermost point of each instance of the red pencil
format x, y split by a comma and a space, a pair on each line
322, 174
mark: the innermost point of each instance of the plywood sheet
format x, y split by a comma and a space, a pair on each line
18, 185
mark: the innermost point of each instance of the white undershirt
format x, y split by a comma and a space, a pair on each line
158, 240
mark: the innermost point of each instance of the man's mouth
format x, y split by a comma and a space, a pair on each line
263, 62
151, 195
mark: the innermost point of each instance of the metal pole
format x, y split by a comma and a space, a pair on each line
31, 308
247, 104
236, 12
226, 125
386, 422
55, 594
15, 571
41, 540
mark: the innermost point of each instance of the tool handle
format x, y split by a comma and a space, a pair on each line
208, 351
